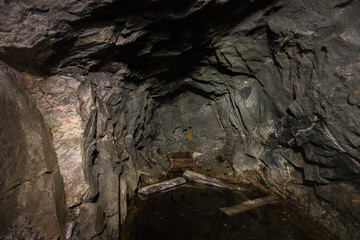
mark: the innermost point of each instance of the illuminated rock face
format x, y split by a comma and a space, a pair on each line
264, 92
32, 189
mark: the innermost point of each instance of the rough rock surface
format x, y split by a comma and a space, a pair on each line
66, 112
270, 90
32, 201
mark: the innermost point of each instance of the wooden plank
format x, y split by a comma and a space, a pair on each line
158, 187
202, 179
248, 205
178, 163
180, 159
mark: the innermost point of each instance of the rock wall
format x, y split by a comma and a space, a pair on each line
32, 203
264, 92
65, 105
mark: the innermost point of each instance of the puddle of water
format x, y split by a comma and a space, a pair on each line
192, 212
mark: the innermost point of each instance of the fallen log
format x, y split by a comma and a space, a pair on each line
248, 205
202, 179
158, 187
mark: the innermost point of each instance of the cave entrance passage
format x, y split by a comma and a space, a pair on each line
191, 212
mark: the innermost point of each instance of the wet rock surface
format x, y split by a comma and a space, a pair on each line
268, 90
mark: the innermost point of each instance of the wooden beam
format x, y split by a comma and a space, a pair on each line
202, 179
158, 187
248, 205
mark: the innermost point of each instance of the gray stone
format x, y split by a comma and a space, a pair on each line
90, 222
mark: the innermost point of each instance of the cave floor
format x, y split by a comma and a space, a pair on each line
191, 212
